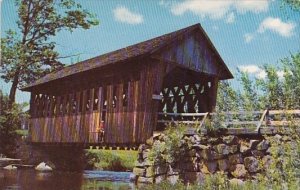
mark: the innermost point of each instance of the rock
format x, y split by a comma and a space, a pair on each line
139, 164
251, 164
43, 167
132, 178
139, 171
190, 166
235, 159
233, 149
192, 153
286, 138
206, 154
263, 145
194, 177
239, 171
147, 180
160, 169
267, 161
173, 179
197, 138
10, 167
277, 137
150, 141
214, 140
223, 164
150, 171
230, 140
236, 182
160, 178
257, 153
200, 147
146, 153
245, 149
209, 167
253, 144
222, 149
173, 171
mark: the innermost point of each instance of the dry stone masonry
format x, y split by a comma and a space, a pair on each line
240, 157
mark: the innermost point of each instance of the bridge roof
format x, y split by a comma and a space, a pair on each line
122, 55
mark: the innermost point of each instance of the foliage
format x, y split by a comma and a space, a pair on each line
114, 160
172, 148
9, 121
293, 4
29, 53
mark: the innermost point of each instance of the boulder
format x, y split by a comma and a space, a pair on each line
245, 149
173, 179
230, 140
200, 147
150, 141
239, 171
10, 167
233, 149
147, 180
132, 178
160, 169
146, 153
253, 144
43, 167
213, 140
223, 164
257, 153
173, 171
149, 171
209, 167
139, 171
160, 178
263, 145
194, 177
267, 161
236, 182
251, 163
235, 159
222, 149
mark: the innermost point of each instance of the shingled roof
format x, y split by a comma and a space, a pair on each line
140, 49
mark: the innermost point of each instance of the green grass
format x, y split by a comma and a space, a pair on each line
113, 160
22, 132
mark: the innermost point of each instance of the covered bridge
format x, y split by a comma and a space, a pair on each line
126, 89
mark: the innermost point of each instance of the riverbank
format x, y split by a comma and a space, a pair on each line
111, 160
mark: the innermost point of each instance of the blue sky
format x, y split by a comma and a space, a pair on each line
246, 33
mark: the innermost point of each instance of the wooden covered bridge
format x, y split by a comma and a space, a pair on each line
123, 91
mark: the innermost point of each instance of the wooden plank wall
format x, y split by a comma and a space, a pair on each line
124, 104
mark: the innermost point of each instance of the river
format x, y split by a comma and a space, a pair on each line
28, 179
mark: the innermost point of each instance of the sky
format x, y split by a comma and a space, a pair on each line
246, 33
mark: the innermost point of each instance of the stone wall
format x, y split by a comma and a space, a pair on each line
240, 157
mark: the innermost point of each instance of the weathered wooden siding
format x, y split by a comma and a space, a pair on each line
124, 104
193, 52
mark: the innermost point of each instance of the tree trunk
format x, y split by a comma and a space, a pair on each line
13, 89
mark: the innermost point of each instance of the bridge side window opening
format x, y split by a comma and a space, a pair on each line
125, 94
96, 99
104, 94
114, 101
88, 100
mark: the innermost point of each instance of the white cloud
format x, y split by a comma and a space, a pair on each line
253, 69
285, 29
230, 18
248, 37
249, 68
122, 14
222, 9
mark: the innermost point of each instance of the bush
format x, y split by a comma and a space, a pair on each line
9, 122
113, 160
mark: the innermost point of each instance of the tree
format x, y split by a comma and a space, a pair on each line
30, 53
9, 122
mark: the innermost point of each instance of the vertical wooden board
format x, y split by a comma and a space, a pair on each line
77, 131
119, 114
83, 118
108, 122
136, 111
33, 130
129, 112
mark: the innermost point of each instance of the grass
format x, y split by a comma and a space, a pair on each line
112, 160
22, 132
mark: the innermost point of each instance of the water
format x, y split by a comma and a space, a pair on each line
90, 180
